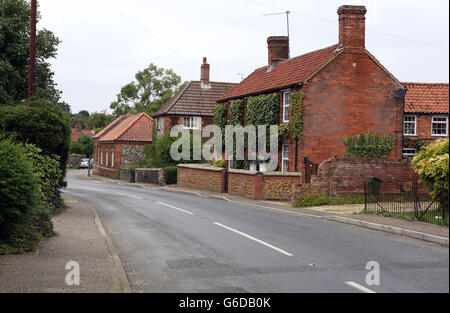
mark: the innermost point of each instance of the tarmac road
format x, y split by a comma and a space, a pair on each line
174, 242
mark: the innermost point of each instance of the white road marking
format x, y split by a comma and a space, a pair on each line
359, 287
254, 239
173, 207
84, 188
101, 190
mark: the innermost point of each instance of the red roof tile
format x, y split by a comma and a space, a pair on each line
195, 100
286, 73
426, 98
129, 128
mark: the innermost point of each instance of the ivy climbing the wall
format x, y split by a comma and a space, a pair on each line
293, 129
237, 112
220, 116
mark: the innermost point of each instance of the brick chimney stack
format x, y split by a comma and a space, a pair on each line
352, 26
204, 77
278, 47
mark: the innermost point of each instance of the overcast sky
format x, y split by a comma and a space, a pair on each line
105, 42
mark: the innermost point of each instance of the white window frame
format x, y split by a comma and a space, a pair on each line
107, 159
415, 125
194, 122
112, 158
439, 122
286, 105
412, 152
101, 157
283, 158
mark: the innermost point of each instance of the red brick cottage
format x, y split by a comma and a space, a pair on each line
121, 142
77, 132
426, 115
346, 92
193, 106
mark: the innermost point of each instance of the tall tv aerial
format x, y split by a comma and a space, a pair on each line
287, 18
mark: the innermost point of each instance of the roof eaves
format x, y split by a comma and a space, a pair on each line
140, 116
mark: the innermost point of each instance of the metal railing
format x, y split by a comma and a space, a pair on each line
408, 200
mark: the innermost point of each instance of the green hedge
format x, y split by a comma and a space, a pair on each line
19, 188
370, 145
170, 174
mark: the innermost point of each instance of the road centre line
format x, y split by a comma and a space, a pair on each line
173, 207
359, 287
254, 239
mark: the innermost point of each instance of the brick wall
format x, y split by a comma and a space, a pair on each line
348, 175
105, 171
201, 177
256, 185
150, 175
423, 127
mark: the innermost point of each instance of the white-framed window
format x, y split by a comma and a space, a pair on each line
409, 125
101, 158
160, 124
285, 157
107, 159
439, 126
112, 158
191, 122
409, 152
286, 106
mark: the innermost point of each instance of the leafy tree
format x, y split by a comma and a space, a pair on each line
81, 118
153, 87
41, 123
431, 163
84, 145
99, 120
14, 55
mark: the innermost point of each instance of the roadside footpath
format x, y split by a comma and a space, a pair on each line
81, 238
341, 214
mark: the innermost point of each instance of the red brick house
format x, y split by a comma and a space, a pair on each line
193, 106
77, 132
426, 115
346, 92
121, 142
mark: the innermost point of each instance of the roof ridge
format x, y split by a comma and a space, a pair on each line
111, 125
311, 52
420, 83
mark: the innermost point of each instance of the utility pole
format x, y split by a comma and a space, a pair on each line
31, 76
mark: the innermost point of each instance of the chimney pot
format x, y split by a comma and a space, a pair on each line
204, 76
352, 26
278, 47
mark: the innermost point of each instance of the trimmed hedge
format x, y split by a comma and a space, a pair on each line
171, 174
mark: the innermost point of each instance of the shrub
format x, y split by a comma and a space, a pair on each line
220, 163
432, 164
170, 174
19, 189
48, 174
369, 145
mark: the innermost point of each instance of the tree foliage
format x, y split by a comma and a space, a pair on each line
14, 55
370, 145
41, 123
84, 145
153, 87
432, 163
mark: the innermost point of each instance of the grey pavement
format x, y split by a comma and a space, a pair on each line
79, 239
176, 242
